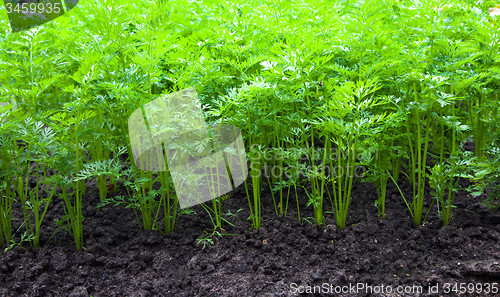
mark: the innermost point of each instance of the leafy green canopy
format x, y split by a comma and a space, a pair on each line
411, 78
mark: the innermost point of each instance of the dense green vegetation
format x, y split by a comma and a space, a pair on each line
325, 93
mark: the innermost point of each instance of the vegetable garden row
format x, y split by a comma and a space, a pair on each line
324, 93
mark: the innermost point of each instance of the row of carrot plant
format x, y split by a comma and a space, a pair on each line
325, 94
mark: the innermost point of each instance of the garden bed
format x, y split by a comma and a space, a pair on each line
120, 260
120, 114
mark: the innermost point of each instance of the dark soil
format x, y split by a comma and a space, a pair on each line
121, 260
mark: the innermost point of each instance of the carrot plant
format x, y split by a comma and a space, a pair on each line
288, 175
43, 162
34, 69
170, 203
6, 202
101, 144
296, 169
484, 91
149, 209
384, 160
300, 62
141, 196
444, 178
485, 176
418, 145
256, 177
67, 124
102, 169
350, 124
8, 152
215, 212
254, 119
